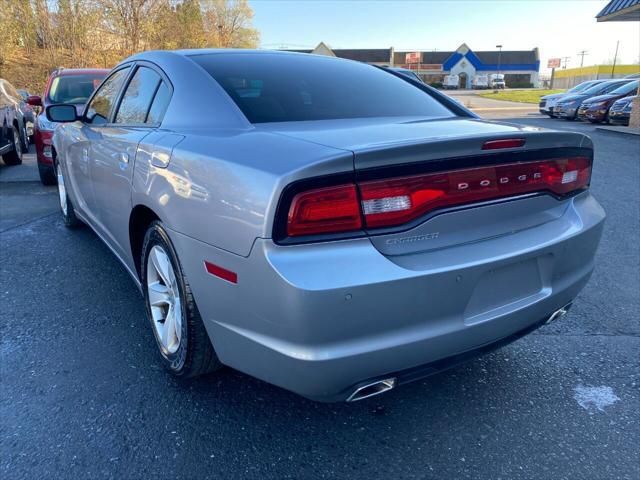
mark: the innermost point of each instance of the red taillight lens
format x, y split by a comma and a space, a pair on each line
395, 201
324, 210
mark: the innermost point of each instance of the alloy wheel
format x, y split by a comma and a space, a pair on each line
164, 300
62, 191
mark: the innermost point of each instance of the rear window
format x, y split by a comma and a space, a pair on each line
285, 88
73, 88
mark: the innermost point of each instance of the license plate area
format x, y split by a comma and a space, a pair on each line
503, 290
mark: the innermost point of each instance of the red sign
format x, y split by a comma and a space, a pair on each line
553, 63
412, 57
423, 66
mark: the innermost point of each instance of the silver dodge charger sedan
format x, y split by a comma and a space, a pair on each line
330, 227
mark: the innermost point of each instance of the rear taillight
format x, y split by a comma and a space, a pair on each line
400, 200
324, 210
396, 201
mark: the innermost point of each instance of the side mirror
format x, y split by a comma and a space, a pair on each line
34, 100
61, 113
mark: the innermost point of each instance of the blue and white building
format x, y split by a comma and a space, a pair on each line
520, 67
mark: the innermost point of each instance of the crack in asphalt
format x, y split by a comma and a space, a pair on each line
24, 224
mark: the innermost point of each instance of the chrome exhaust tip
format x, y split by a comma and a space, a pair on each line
561, 312
372, 389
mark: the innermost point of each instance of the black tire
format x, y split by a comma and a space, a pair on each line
25, 138
195, 354
14, 157
47, 174
69, 217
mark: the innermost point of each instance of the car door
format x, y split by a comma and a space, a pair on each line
77, 158
113, 153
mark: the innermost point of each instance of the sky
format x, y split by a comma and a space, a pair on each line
558, 28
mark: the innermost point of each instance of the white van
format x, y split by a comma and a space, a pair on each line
496, 80
451, 82
480, 82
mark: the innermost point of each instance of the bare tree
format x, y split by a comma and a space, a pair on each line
228, 24
39, 35
129, 19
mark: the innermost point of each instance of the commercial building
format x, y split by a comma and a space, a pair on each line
520, 67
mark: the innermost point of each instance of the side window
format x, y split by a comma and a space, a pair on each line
101, 103
160, 104
137, 97
611, 88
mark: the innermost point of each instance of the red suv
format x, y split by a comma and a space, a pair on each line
63, 86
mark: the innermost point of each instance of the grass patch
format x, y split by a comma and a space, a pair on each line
524, 96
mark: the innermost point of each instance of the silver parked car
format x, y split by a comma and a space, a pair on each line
323, 224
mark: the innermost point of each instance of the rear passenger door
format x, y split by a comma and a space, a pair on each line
139, 112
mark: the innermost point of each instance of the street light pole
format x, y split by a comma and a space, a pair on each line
499, 47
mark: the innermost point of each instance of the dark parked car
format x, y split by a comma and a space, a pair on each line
567, 108
548, 102
13, 134
620, 111
596, 109
70, 86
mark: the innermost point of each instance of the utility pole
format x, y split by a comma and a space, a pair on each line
499, 47
581, 54
615, 57
565, 60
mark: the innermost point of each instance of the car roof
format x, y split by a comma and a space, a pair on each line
80, 71
619, 80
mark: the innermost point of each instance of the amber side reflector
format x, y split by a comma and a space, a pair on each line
220, 272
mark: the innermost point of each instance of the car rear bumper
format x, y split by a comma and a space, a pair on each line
321, 319
44, 141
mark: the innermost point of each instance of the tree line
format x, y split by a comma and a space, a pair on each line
37, 36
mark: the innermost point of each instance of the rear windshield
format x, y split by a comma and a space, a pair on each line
284, 88
73, 88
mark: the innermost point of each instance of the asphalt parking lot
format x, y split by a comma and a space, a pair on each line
83, 395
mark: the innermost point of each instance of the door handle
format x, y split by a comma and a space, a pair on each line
123, 157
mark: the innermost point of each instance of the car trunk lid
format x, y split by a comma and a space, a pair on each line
382, 142
384, 150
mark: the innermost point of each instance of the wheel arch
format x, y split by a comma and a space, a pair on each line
139, 220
